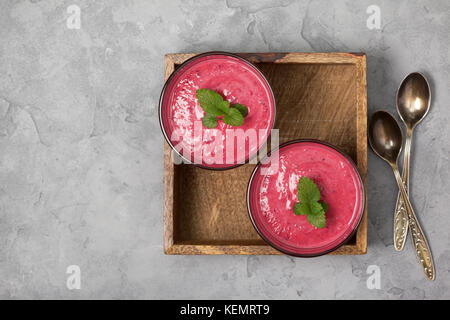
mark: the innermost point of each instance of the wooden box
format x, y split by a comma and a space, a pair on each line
318, 95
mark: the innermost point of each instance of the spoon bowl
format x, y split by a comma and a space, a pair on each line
385, 136
413, 99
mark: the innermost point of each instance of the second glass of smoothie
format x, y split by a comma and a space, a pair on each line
272, 193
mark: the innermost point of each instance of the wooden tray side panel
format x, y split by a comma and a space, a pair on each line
361, 236
169, 171
318, 96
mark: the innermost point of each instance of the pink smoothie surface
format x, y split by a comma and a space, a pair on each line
237, 81
273, 195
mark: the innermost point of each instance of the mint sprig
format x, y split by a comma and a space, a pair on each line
233, 117
242, 109
209, 101
209, 120
215, 106
309, 203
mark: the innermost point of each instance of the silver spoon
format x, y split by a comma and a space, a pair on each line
413, 103
385, 138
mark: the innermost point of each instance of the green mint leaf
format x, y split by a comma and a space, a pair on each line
307, 191
301, 209
310, 204
224, 106
234, 118
209, 101
214, 106
324, 206
209, 120
317, 220
316, 208
242, 109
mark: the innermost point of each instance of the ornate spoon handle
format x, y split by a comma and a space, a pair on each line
400, 215
421, 246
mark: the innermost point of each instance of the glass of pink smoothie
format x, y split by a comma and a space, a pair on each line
237, 81
272, 193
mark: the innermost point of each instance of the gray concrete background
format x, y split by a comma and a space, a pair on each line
81, 150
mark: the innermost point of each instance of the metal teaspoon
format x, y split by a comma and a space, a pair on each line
413, 103
385, 138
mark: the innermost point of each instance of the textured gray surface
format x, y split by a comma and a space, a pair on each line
81, 149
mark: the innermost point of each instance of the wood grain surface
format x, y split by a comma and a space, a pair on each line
318, 95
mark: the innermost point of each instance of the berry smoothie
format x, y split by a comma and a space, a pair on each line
273, 194
238, 81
